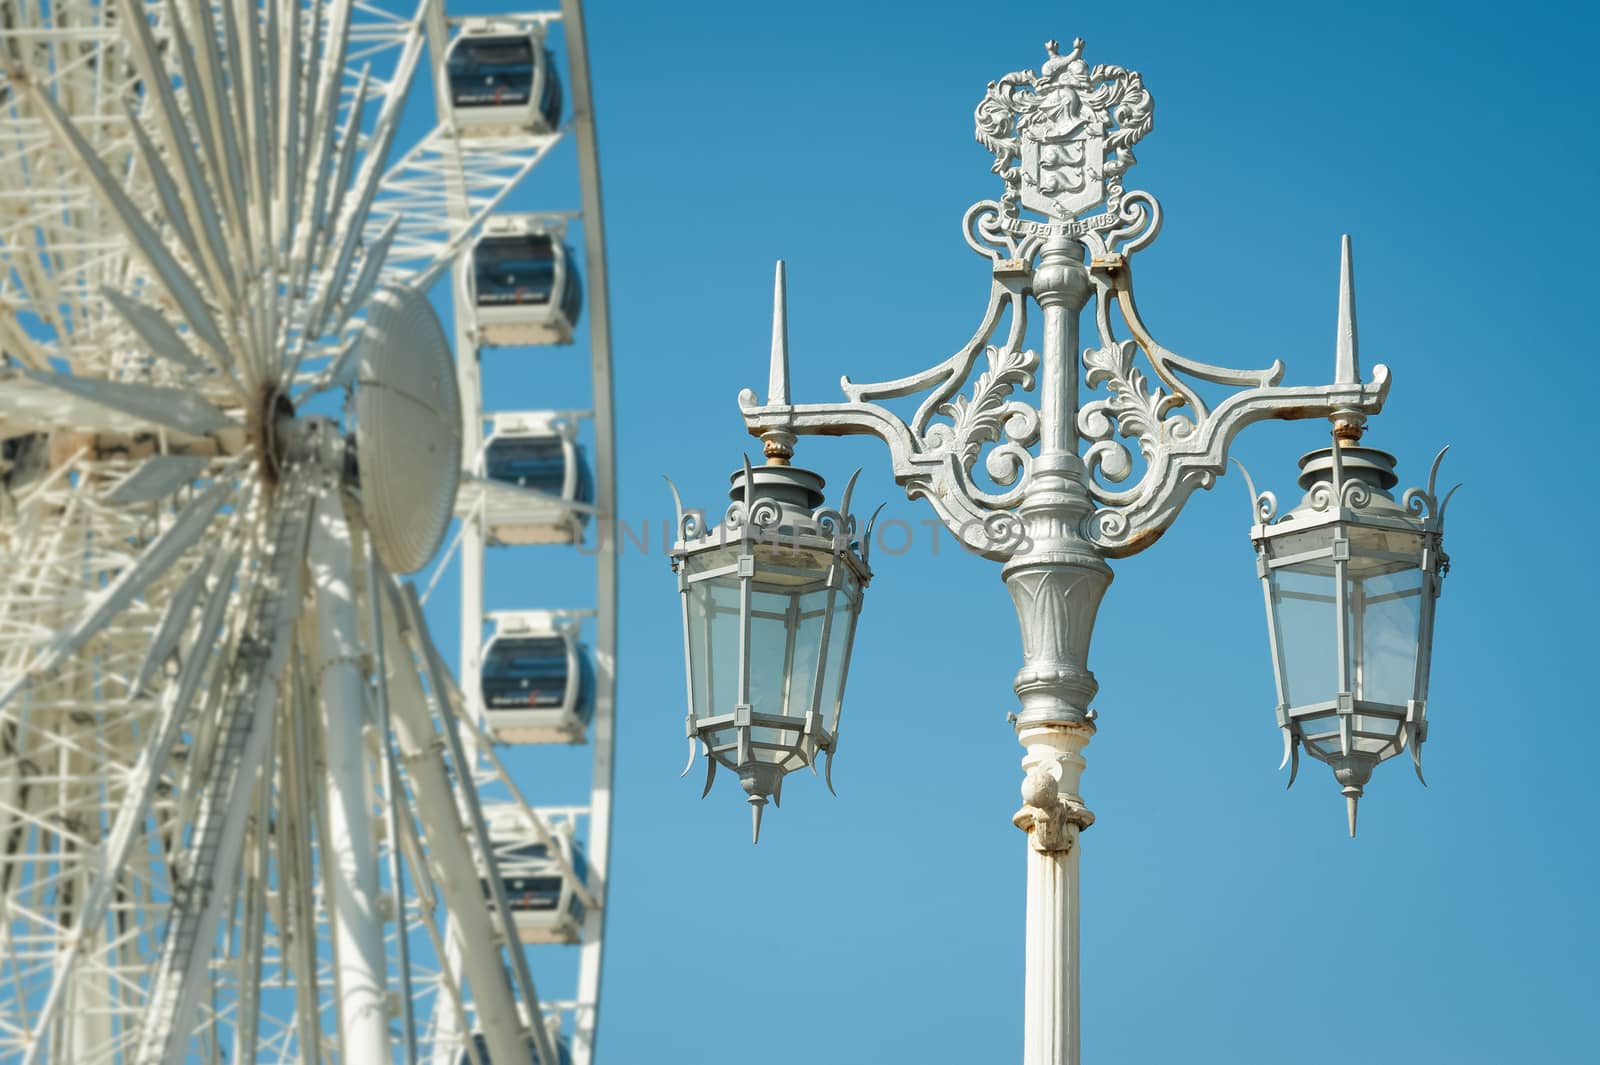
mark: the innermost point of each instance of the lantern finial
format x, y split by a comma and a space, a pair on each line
1351, 797
1347, 423
759, 803
778, 444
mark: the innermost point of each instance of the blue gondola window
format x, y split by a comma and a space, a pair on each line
537, 462
514, 270
526, 672
491, 71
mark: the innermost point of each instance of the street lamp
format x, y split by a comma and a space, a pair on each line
770, 602
1072, 483
1351, 578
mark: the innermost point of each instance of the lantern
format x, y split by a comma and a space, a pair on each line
770, 602
1351, 578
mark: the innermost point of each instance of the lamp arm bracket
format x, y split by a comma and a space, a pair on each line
933, 455
1182, 451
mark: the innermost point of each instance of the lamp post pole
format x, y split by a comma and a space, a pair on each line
1073, 481
1056, 585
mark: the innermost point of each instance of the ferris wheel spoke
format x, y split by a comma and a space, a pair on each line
295, 861
321, 236
147, 57
166, 188
458, 852
156, 478
325, 75
152, 327
392, 794
250, 688
352, 222
219, 130
253, 876
142, 236
376, 255
157, 405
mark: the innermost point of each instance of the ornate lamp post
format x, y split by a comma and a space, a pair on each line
1350, 574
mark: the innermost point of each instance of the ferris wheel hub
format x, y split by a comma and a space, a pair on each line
268, 430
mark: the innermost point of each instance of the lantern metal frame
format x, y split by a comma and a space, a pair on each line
764, 521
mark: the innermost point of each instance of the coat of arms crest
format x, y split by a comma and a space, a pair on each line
1062, 138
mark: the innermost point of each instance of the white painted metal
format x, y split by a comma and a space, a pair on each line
482, 505
1062, 233
199, 202
351, 859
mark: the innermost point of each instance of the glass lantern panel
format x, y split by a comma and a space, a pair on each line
846, 608
713, 620
1385, 609
1284, 544
1375, 735
1306, 625
1378, 550
789, 597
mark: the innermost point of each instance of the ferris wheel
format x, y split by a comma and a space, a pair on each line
247, 812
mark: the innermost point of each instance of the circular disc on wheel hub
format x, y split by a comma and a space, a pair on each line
408, 428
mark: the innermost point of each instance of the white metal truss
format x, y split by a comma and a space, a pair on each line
431, 228
212, 695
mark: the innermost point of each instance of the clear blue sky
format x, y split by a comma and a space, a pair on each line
1224, 920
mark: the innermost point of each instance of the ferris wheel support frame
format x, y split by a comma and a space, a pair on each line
351, 859
473, 539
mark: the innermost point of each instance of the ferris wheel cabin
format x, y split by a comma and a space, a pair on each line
537, 679
524, 285
540, 873
538, 454
502, 80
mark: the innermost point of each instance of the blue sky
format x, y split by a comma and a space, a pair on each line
1224, 919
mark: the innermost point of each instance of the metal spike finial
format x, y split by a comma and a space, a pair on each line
778, 383
1347, 423
778, 444
1351, 797
757, 804
1347, 356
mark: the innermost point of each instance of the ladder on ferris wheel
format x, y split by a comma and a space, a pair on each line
218, 826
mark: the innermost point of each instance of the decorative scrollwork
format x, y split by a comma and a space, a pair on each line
988, 414
1351, 495
1263, 506
838, 523
1134, 409
986, 234
1182, 452
691, 524
1424, 503
1062, 141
